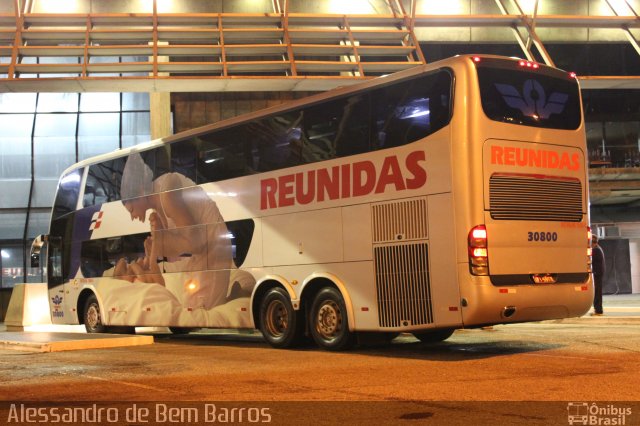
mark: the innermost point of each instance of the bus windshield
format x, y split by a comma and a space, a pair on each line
537, 97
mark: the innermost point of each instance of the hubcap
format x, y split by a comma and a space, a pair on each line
329, 320
93, 316
277, 318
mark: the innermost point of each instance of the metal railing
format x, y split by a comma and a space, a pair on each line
227, 51
216, 44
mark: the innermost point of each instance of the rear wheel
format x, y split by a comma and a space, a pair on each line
328, 321
434, 336
92, 316
280, 324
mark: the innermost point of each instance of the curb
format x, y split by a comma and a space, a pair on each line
56, 342
599, 320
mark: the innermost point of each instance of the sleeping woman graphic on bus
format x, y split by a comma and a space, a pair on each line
187, 267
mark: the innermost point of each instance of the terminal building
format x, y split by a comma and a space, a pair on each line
84, 77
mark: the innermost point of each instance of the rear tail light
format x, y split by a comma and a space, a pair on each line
478, 252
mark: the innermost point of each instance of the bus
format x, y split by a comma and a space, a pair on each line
450, 195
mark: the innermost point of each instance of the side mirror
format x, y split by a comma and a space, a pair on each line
36, 248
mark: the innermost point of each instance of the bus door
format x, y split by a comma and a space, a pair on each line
57, 299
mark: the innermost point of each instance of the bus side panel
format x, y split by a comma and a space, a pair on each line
445, 291
356, 229
303, 238
206, 288
151, 304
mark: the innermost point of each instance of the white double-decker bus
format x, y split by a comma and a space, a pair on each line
446, 196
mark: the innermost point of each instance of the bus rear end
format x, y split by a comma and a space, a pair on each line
528, 241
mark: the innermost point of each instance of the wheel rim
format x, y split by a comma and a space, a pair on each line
277, 318
93, 316
329, 320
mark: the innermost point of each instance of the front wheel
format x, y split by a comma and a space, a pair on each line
434, 336
92, 316
328, 321
280, 324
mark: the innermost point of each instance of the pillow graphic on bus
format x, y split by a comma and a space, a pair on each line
533, 100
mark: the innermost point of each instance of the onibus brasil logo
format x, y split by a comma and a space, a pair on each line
583, 413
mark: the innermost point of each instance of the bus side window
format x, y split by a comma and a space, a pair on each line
411, 110
99, 257
162, 161
68, 193
278, 141
355, 126
223, 155
183, 158
336, 128
103, 182
158, 162
210, 159
92, 259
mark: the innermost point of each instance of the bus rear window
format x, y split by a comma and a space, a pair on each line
540, 98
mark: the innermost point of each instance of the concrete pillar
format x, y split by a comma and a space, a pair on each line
160, 105
29, 305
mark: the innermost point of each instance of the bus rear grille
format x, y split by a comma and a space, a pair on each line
400, 220
528, 197
402, 283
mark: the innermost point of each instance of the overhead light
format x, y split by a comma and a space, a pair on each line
5, 254
528, 6
57, 6
620, 7
350, 7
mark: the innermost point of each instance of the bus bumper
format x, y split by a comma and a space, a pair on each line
486, 304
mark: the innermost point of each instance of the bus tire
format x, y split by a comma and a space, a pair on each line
92, 317
280, 324
434, 336
328, 321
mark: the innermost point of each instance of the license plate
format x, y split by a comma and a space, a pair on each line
544, 278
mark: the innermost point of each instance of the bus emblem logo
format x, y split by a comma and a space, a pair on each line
96, 220
57, 311
533, 100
